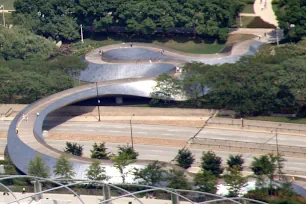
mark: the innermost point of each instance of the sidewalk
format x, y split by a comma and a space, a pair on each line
69, 199
267, 14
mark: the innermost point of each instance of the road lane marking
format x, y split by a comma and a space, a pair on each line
113, 131
174, 130
167, 134
60, 129
157, 150
88, 130
142, 133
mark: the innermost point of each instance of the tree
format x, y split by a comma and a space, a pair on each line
50, 19
60, 20
95, 172
266, 165
177, 179
185, 158
99, 151
291, 18
19, 43
235, 160
63, 168
128, 150
166, 88
37, 167
74, 149
121, 161
151, 175
234, 179
211, 162
205, 181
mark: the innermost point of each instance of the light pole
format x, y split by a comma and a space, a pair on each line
277, 150
2, 6
82, 39
131, 128
277, 38
98, 100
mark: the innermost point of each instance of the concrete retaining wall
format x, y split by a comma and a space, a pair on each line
128, 111
258, 125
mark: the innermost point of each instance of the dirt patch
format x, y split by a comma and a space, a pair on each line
180, 123
117, 139
235, 38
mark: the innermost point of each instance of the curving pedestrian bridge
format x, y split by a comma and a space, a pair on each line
121, 70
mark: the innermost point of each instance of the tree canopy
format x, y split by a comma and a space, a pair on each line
19, 43
96, 172
61, 20
30, 67
211, 162
151, 175
235, 161
185, 158
74, 148
292, 16
177, 179
128, 150
37, 167
272, 81
99, 151
121, 161
63, 168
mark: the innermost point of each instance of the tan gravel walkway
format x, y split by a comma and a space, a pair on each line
118, 139
267, 14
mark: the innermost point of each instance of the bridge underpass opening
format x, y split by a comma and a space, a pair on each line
114, 100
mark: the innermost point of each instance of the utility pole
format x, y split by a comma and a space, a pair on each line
2, 6
98, 101
277, 151
131, 128
277, 38
82, 39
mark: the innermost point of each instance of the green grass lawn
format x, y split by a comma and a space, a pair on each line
8, 4
195, 47
248, 9
279, 119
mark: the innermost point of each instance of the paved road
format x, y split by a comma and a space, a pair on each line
172, 132
164, 153
169, 132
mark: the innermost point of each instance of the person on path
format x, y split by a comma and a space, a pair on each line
131, 44
23, 117
23, 191
17, 130
37, 114
27, 117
